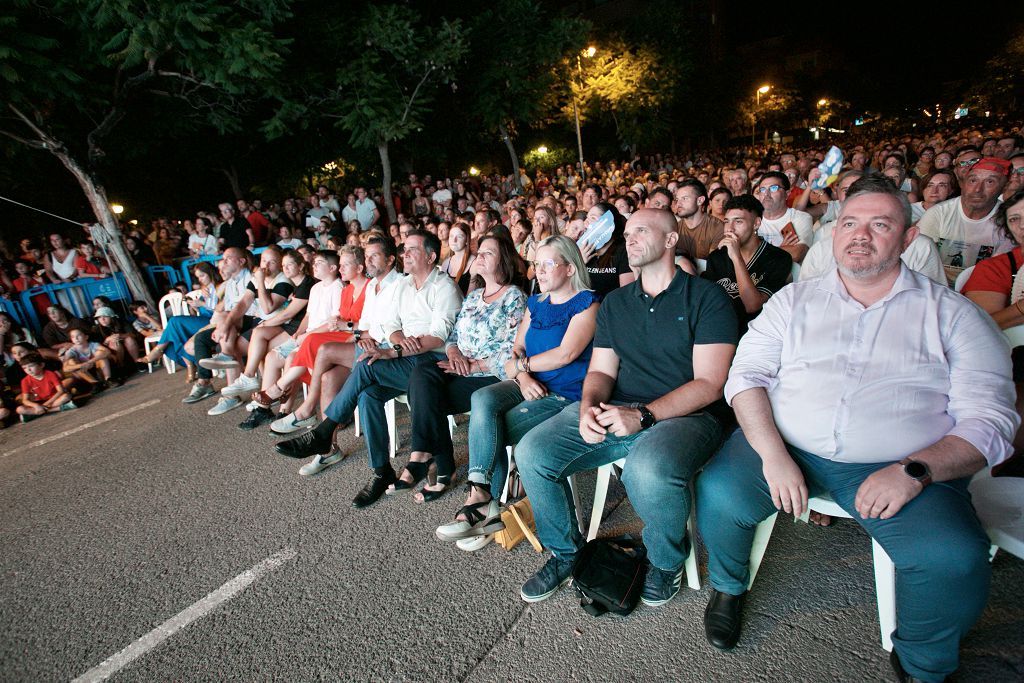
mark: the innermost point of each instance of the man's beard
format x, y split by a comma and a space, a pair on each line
868, 271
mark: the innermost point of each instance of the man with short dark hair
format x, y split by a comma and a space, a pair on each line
235, 231
427, 302
257, 221
660, 198
655, 402
1008, 145
867, 384
749, 269
781, 226
699, 232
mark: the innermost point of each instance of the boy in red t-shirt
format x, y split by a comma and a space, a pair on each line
41, 390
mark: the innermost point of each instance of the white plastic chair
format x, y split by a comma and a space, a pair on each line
175, 303
1015, 335
702, 265
389, 414
999, 502
962, 278
604, 473
794, 273
885, 572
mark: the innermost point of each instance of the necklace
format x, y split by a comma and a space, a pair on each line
489, 297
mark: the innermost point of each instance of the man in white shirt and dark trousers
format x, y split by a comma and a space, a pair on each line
428, 302
887, 391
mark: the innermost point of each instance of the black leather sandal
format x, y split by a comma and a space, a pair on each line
418, 470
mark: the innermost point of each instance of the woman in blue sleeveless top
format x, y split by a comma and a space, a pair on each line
549, 361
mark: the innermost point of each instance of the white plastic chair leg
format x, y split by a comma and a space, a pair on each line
355, 420
389, 415
451, 426
885, 590
604, 475
504, 489
690, 564
762, 534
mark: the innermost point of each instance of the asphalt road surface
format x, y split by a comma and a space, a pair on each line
144, 540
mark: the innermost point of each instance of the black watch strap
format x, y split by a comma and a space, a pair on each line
646, 417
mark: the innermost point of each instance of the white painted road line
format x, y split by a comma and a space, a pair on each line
87, 425
195, 612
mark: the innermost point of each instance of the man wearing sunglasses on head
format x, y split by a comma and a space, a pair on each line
789, 229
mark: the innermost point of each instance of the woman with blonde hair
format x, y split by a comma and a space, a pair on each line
549, 360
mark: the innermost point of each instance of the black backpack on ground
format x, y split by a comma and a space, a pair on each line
608, 575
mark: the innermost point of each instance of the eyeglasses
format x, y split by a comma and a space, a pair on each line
1018, 171
770, 188
968, 163
546, 265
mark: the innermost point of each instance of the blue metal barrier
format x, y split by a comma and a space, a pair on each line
186, 266
169, 272
16, 310
80, 294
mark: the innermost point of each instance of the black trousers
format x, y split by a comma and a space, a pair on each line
434, 395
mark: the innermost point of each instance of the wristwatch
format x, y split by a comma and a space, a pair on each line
915, 469
398, 351
646, 417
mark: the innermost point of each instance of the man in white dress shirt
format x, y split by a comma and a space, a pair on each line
886, 391
427, 303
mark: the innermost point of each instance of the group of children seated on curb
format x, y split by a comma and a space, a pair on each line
74, 361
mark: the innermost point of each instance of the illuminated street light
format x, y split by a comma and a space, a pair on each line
589, 52
473, 170
763, 90
117, 209
542, 150
822, 102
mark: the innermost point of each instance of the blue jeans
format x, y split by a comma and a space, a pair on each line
935, 541
660, 462
500, 417
369, 387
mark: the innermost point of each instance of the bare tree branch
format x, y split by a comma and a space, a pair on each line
35, 144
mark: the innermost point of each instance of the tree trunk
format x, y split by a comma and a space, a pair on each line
512, 153
112, 237
385, 162
232, 176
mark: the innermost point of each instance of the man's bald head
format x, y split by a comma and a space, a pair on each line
661, 218
651, 237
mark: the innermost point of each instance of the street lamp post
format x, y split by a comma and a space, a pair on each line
590, 51
753, 124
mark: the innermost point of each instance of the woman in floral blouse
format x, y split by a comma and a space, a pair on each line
475, 356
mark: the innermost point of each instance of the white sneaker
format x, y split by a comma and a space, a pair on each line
321, 462
219, 361
474, 543
224, 405
241, 386
289, 424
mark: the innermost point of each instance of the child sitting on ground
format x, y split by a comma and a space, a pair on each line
84, 358
41, 390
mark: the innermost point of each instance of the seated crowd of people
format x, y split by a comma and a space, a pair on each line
673, 343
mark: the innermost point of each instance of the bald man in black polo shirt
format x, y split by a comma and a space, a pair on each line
652, 395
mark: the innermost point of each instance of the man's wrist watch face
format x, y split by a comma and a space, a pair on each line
917, 470
646, 417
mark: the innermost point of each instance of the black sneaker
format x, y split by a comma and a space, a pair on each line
305, 446
257, 418
660, 586
553, 575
